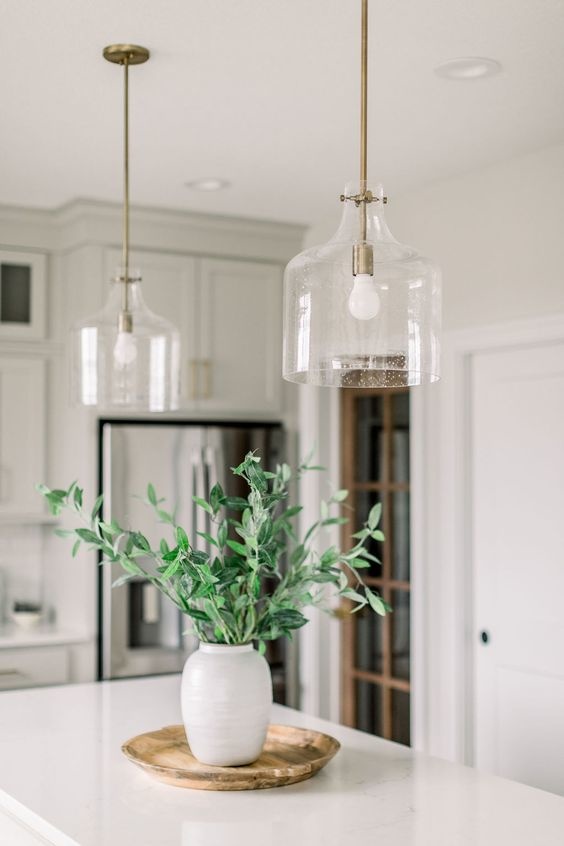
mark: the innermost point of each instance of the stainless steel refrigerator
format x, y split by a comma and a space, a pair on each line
141, 633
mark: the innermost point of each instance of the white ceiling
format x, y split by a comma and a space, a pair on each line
264, 93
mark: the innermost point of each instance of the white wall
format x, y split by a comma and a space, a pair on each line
498, 234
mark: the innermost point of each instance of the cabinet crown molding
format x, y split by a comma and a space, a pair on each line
88, 221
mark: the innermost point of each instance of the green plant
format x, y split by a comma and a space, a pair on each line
241, 592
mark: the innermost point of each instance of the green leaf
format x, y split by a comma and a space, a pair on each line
237, 503
222, 534
97, 506
376, 603
77, 496
369, 557
374, 516
111, 528
322, 578
171, 555
208, 537
292, 511
140, 541
75, 548
165, 517
335, 521
256, 477
197, 614
182, 538
54, 503
362, 535
88, 536
340, 496
203, 504
298, 556
123, 579
216, 497
237, 547
349, 593
151, 494
171, 569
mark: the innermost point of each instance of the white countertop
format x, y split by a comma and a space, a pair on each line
13, 636
62, 773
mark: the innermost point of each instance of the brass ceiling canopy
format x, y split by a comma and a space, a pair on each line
119, 54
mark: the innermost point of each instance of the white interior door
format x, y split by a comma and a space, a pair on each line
518, 555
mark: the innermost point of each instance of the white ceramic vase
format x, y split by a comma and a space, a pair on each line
226, 702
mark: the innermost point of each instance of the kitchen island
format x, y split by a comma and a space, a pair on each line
65, 782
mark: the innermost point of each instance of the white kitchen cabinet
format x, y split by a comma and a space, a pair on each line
228, 313
22, 434
240, 360
33, 667
22, 295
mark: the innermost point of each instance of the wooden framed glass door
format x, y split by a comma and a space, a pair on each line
376, 651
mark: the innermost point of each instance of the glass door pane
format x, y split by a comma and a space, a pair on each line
376, 666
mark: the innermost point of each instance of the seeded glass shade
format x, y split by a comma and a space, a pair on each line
116, 369
395, 344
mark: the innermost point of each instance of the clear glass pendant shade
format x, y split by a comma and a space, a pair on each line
377, 329
126, 359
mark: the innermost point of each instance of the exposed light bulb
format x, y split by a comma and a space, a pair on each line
125, 349
364, 302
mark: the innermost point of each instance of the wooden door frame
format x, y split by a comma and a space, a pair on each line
445, 615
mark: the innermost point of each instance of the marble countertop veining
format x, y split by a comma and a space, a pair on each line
62, 775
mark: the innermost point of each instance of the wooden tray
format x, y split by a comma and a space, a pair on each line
289, 755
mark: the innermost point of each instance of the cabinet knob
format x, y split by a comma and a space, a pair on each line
484, 636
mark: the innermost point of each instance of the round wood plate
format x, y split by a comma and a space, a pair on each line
289, 755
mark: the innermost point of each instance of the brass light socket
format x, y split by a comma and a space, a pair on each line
125, 321
363, 259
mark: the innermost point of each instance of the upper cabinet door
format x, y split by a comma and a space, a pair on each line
22, 434
169, 290
22, 295
240, 367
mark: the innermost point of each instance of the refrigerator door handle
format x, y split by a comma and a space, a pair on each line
106, 572
211, 478
198, 474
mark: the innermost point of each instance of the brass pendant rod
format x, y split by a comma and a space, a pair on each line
363, 115
126, 55
125, 247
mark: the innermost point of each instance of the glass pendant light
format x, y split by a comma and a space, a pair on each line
126, 356
362, 311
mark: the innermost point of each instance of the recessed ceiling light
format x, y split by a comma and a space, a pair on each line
468, 68
209, 183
